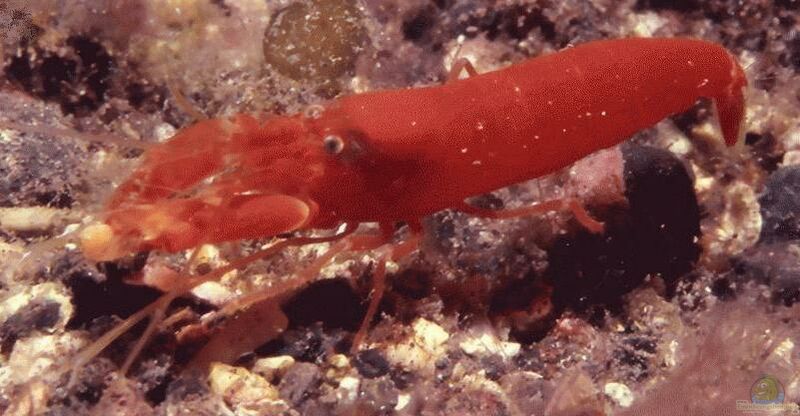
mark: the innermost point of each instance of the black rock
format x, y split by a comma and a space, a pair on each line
655, 234
780, 206
371, 363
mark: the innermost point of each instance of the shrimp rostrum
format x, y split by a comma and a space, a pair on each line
399, 155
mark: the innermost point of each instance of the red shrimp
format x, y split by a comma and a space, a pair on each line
399, 155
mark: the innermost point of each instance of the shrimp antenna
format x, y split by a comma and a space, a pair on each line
183, 103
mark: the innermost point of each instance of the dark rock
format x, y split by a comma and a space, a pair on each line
774, 264
417, 25
494, 366
633, 357
529, 359
780, 206
154, 376
189, 395
332, 302
679, 5
723, 288
766, 149
655, 235
513, 21
402, 378
36, 316
371, 363
186, 387
299, 383
96, 296
77, 80
791, 57
308, 344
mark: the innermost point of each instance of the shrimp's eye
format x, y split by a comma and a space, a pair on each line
333, 144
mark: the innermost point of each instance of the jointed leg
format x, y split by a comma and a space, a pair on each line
395, 253
183, 103
300, 279
350, 243
543, 207
461, 64
160, 304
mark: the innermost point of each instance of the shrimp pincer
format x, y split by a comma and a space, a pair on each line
399, 155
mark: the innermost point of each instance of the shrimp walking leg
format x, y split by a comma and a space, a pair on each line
300, 279
396, 252
262, 308
461, 64
190, 283
543, 207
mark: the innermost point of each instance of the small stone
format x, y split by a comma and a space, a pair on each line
273, 367
403, 400
30, 219
619, 393
429, 334
340, 361
238, 386
422, 349
348, 389
371, 363
36, 316
44, 307
214, 293
300, 383
486, 344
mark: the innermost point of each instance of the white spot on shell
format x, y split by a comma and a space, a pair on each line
476, 163
464, 150
703, 83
